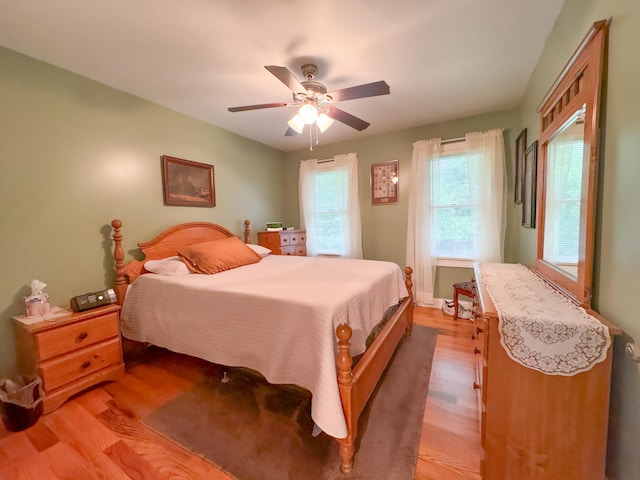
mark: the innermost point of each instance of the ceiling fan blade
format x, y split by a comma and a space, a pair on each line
346, 118
290, 132
361, 91
257, 107
285, 76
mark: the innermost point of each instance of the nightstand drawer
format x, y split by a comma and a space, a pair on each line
68, 368
71, 337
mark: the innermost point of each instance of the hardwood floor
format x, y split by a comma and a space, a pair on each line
97, 435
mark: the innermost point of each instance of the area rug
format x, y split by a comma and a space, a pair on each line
256, 431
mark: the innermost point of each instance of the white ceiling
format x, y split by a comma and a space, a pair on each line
443, 59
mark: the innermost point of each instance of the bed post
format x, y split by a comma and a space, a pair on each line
247, 231
345, 382
408, 272
118, 255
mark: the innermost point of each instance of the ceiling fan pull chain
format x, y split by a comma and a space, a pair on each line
311, 138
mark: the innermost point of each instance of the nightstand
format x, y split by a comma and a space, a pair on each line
285, 242
70, 353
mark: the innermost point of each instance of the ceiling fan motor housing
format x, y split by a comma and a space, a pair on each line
309, 71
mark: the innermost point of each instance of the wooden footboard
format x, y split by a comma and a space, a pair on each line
357, 384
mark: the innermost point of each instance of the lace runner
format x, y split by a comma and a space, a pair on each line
540, 328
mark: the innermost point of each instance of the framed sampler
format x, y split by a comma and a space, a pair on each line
384, 183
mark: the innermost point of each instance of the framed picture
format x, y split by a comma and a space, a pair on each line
384, 183
521, 145
530, 168
187, 183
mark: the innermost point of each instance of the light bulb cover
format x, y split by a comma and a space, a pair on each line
324, 121
308, 113
296, 123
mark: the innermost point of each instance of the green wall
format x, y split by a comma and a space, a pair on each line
617, 248
384, 227
75, 154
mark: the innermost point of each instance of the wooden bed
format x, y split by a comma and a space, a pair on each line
355, 384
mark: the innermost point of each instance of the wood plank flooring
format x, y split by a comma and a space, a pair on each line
97, 435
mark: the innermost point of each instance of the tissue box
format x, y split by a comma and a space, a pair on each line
37, 307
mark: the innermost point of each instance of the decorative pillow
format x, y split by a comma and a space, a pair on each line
218, 255
259, 249
167, 266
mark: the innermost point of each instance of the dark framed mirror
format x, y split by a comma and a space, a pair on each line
568, 166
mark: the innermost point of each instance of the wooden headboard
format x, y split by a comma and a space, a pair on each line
166, 244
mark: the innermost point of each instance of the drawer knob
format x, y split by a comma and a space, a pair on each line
479, 330
476, 350
82, 336
476, 386
86, 364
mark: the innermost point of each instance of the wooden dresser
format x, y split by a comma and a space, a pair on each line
71, 353
536, 426
285, 242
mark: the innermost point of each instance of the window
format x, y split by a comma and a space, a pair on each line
563, 201
454, 203
456, 206
331, 211
330, 206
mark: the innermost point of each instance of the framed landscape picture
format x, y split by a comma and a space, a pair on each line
384, 183
187, 183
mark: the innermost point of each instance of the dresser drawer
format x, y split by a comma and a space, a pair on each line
68, 368
285, 240
51, 343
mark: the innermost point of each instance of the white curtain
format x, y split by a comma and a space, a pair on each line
419, 245
487, 149
485, 157
347, 195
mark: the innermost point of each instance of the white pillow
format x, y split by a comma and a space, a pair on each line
167, 266
259, 249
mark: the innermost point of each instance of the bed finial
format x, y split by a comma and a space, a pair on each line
118, 255
247, 231
408, 272
344, 360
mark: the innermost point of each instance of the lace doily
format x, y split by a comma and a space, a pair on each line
540, 328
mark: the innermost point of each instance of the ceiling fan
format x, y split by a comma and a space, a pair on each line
315, 103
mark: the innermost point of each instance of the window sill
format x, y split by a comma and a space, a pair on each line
454, 262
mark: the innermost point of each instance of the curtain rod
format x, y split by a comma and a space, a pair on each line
453, 140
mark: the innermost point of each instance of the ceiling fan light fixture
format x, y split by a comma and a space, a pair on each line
296, 123
324, 121
308, 113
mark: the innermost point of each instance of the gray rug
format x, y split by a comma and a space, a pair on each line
257, 431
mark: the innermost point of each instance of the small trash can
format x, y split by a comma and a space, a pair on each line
21, 402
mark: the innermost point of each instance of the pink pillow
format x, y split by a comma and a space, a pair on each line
217, 255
